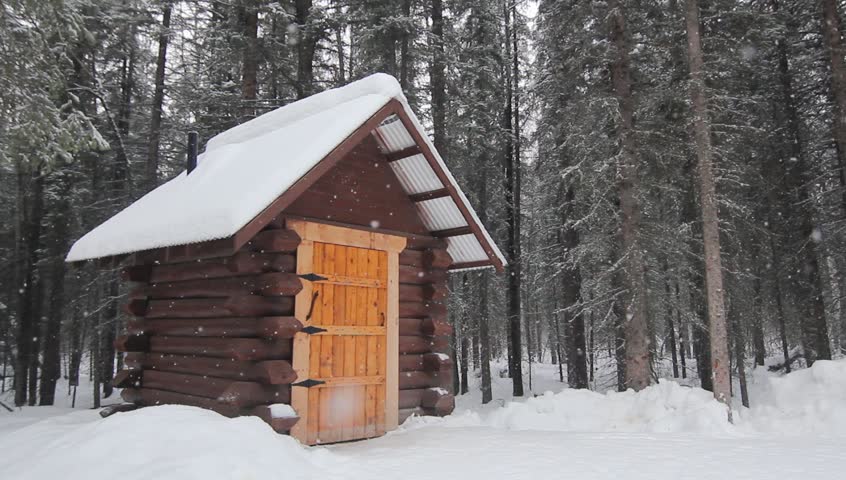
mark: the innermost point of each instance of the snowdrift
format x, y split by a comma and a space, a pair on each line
809, 401
806, 402
163, 443
185, 443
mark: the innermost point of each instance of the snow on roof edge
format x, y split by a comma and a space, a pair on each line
378, 83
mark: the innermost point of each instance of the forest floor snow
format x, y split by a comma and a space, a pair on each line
796, 426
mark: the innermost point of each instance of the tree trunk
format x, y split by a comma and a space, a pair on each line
484, 319
808, 279
306, 47
465, 340
406, 62
740, 357
512, 216
710, 215
636, 326
248, 14
51, 369
832, 35
571, 297
153, 145
30, 191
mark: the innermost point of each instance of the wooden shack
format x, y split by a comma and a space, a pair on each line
299, 272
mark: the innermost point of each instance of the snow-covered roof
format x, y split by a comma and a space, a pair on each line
244, 169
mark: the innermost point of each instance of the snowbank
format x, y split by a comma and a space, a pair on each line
524, 439
166, 442
806, 402
664, 408
809, 401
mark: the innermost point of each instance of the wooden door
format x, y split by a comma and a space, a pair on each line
347, 356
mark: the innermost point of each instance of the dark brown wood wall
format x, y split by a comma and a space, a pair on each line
361, 190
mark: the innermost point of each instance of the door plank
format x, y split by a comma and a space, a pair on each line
300, 361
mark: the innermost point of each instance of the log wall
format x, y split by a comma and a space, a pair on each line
424, 344
214, 330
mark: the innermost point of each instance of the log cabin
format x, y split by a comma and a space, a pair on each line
297, 270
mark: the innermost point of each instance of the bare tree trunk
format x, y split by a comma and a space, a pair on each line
248, 14
51, 369
512, 213
740, 357
638, 365
808, 279
682, 327
710, 215
437, 79
484, 319
306, 46
465, 340
30, 209
153, 145
406, 62
671, 328
832, 34
571, 297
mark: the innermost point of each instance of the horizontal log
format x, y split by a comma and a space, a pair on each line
107, 412
415, 344
242, 263
421, 293
127, 379
436, 399
424, 326
418, 275
274, 241
270, 372
267, 284
265, 241
422, 309
223, 247
236, 393
262, 327
429, 362
430, 258
246, 306
243, 349
425, 379
151, 397
132, 343
280, 425
420, 242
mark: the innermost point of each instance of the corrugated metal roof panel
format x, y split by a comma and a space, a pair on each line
393, 134
441, 214
415, 174
465, 248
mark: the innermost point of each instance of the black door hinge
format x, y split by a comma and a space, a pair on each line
312, 277
308, 383
311, 330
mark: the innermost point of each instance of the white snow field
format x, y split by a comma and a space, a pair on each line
797, 426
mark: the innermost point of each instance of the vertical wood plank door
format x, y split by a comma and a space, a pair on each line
351, 334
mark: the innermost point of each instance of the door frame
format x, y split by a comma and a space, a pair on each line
309, 233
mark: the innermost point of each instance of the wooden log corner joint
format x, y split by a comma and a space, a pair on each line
330, 300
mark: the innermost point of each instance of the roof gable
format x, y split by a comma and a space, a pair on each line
251, 173
360, 190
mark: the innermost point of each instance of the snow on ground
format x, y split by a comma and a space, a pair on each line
797, 426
